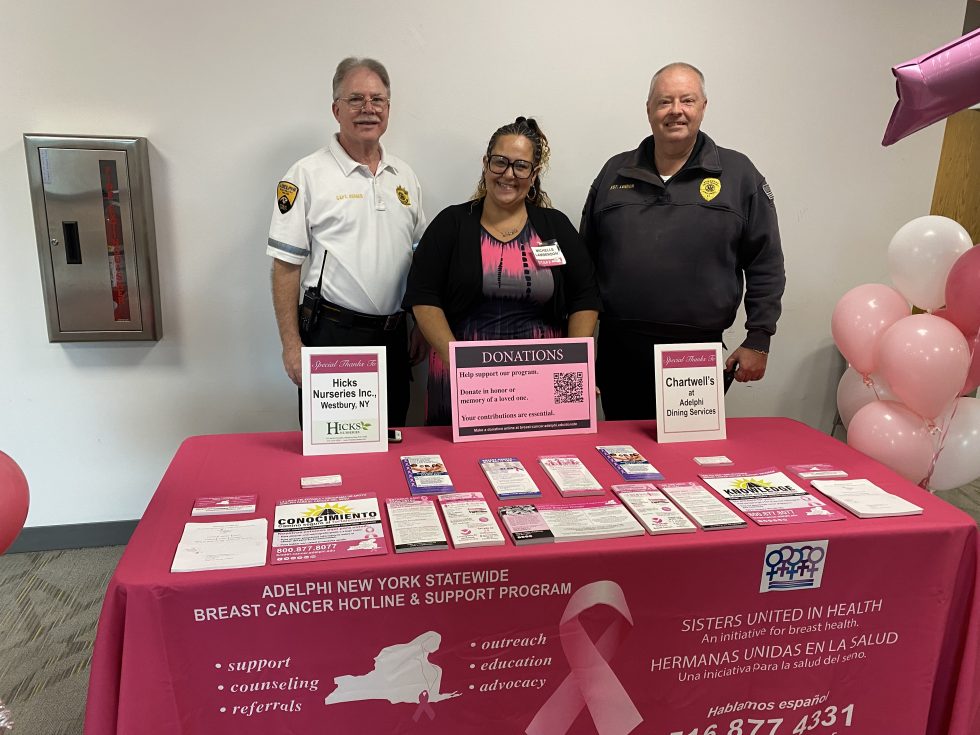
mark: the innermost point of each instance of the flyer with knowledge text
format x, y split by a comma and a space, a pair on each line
523, 388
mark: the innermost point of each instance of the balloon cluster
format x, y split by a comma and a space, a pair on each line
901, 399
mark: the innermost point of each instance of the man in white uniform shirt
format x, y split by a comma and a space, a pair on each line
354, 211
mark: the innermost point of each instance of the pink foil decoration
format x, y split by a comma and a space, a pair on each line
935, 85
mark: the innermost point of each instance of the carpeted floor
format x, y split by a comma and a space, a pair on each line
49, 607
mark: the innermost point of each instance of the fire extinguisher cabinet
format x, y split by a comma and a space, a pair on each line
93, 215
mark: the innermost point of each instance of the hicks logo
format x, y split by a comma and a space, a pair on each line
286, 195
345, 428
793, 566
710, 188
402, 193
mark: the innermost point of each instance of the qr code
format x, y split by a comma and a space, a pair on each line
568, 387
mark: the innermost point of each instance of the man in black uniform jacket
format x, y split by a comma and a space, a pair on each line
679, 229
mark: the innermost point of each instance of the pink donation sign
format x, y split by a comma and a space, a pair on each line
524, 388
935, 85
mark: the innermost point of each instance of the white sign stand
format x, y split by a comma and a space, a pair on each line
690, 392
345, 401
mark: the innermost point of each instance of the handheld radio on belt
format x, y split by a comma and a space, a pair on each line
309, 310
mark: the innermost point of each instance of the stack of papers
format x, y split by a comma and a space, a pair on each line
469, 520
813, 471
509, 478
629, 463
224, 505
525, 525
589, 519
865, 499
701, 506
426, 474
222, 545
653, 509
570, 476
415, 525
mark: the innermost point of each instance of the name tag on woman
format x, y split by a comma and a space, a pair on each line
548, 254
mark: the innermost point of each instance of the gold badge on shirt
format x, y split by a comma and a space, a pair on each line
286, 195
402, 193
710, 188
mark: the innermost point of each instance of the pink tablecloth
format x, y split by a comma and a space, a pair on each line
666, 635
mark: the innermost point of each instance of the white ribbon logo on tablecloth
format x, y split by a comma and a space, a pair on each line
591, 682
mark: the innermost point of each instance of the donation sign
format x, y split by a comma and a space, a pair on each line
344, 402
523, 388
690, 392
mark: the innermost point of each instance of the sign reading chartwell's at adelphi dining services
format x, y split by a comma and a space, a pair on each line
344, 400
524, 388
690, 392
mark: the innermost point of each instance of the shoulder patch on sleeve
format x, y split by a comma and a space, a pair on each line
767, 190
286, 195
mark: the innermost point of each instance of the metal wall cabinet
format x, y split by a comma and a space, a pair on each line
93, 214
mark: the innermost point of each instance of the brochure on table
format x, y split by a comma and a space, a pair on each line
221, 545
345, 406
690, 392
525, 388
333, 527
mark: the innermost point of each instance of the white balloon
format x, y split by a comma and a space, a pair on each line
920, 256
958, 462
853, 394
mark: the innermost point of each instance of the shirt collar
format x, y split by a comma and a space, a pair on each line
348, 165
639, 164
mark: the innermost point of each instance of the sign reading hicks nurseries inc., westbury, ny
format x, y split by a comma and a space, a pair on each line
344, 400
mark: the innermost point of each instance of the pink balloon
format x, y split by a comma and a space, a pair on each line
895, 436
853, 393
925, 360
973, 375
14, 501
934, 86
963, 292
860, 317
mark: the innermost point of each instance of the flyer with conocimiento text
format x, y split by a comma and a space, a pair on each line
335, 527
526, 388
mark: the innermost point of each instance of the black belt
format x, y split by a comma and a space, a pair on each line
348, 318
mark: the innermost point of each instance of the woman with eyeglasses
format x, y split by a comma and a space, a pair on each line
486, 269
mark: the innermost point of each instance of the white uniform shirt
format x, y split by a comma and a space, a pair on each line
365, 223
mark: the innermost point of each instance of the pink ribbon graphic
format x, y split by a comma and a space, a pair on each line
424, 706
591, 682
